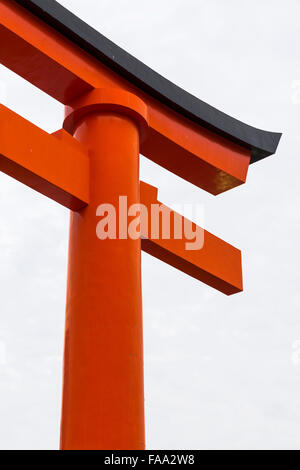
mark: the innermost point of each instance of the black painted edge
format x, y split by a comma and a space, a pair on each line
262, 143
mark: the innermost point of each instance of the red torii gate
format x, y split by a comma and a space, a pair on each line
116, 108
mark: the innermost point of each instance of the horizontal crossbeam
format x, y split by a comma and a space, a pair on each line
57, 166
205, 264
54, 165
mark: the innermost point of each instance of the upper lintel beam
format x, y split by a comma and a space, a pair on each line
261, 143
57, 166
52, 61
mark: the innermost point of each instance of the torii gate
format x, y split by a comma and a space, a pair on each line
116, 108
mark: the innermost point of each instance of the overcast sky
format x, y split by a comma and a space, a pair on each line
220, 372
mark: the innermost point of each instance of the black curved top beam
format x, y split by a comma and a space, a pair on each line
261, 143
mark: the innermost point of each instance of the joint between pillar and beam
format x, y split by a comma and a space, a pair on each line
102, 100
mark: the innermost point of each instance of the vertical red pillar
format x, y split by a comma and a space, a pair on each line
103, 391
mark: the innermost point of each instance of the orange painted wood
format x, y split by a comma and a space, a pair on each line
218, 264
103, 397
54, 165
58, 166
57, 66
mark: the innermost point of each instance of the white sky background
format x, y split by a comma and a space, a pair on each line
220, 372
